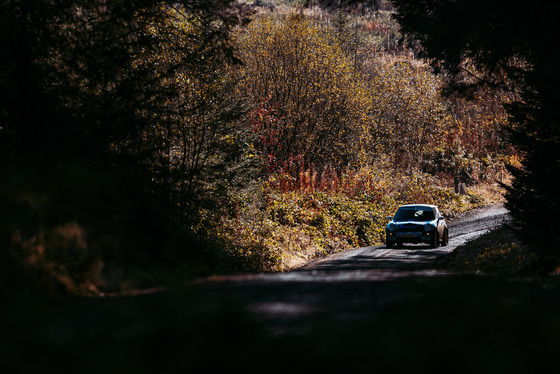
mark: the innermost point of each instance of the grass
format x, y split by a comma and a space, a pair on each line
498, 252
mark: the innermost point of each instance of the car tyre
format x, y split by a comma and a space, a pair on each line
445, 239
389, 243
434, 242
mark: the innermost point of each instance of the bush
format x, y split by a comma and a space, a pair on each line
500, 251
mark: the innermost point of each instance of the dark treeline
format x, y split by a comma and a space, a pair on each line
89, 105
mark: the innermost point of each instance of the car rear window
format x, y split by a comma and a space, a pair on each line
414, 214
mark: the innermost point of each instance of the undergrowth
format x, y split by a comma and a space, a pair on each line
499, 252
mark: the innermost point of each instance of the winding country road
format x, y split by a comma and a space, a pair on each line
367, 310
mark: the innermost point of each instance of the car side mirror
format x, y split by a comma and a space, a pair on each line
441, 218
389, 218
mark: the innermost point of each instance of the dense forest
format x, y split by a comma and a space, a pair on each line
145, 142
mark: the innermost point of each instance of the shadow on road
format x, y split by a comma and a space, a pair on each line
405, 258
319, 321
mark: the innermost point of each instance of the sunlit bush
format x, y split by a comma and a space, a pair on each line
499, 251
313, 106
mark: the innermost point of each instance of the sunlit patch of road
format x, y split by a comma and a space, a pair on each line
413, 258
378, 262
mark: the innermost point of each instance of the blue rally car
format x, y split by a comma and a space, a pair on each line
417, 223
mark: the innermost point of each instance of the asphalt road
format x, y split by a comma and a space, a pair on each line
367, 310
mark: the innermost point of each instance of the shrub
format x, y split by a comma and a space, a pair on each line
499, 251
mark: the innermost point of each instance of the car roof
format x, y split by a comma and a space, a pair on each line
418, 205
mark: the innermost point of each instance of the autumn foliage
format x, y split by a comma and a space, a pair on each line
345, 133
